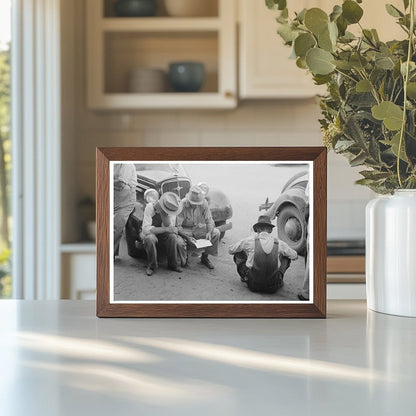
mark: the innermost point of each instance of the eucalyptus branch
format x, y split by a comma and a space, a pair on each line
398, 95
346, 75
373, 88
406, 80
392, 91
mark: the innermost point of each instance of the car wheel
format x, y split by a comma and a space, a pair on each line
291, 228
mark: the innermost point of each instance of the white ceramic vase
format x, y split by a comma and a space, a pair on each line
391, 253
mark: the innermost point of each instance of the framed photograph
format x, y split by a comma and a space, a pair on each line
211, 232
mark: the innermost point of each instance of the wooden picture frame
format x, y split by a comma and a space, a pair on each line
243, 158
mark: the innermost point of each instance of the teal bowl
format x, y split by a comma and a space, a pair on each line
186, 76
135, 8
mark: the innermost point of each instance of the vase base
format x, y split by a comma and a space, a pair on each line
393, 313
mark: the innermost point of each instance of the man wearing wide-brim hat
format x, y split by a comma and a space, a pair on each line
159, 231
195, 222
261, 259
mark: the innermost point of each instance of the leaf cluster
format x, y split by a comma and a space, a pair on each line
366, 115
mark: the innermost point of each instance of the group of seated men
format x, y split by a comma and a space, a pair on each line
174, 226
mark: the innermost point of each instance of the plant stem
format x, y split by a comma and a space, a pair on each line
346, 75
406, 80
373, 88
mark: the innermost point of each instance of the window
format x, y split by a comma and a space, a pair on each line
5, 147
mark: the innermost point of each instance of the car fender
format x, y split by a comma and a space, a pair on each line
286, 199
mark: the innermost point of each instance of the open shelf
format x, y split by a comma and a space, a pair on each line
116, 46
126, 51
167, 100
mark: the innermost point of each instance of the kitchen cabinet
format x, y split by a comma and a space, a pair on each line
78, 280
118, 45
265, 69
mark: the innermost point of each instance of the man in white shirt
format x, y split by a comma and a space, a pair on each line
262, 259
195, 222
159, 231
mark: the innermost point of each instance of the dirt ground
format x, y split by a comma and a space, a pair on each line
196, 282
246, 192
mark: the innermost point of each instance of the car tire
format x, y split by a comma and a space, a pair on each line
291, 228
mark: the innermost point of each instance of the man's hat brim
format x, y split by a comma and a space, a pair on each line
188, 198
257, 224
168, 211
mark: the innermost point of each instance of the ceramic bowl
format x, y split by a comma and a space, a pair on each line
147, 80
135, 8
186, 76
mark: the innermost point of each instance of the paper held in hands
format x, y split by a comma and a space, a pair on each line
202, 243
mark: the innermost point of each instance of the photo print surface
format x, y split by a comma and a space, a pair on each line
211, 232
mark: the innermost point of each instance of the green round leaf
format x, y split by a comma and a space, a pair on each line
391, 114
336, 12
301, 63
303, 43
363, 86
411, 90
344, 65
276, 4
316, 20
351, 11
287, 33
328, 38
394, 143
319, 61
393, 11
384, 62
358, 61
324, 41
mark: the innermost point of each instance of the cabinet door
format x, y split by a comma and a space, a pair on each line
78, 276
266, 71
376, 17
265, 68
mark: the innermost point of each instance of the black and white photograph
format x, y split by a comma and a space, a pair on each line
211, 232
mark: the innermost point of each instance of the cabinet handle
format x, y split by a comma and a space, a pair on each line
229, 94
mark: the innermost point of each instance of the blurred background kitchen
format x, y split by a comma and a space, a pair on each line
185, 73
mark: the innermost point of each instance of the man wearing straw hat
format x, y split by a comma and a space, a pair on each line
261, 259
195, 222
159, 231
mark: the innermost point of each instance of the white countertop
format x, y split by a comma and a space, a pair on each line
57, 358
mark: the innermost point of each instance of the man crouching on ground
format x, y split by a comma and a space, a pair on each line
159, 231
195, 222
261, 259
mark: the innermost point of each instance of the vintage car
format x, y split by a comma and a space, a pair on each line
170, 177
291, 209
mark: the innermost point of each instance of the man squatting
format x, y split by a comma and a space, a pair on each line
261, 259
160, 232
168, 224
